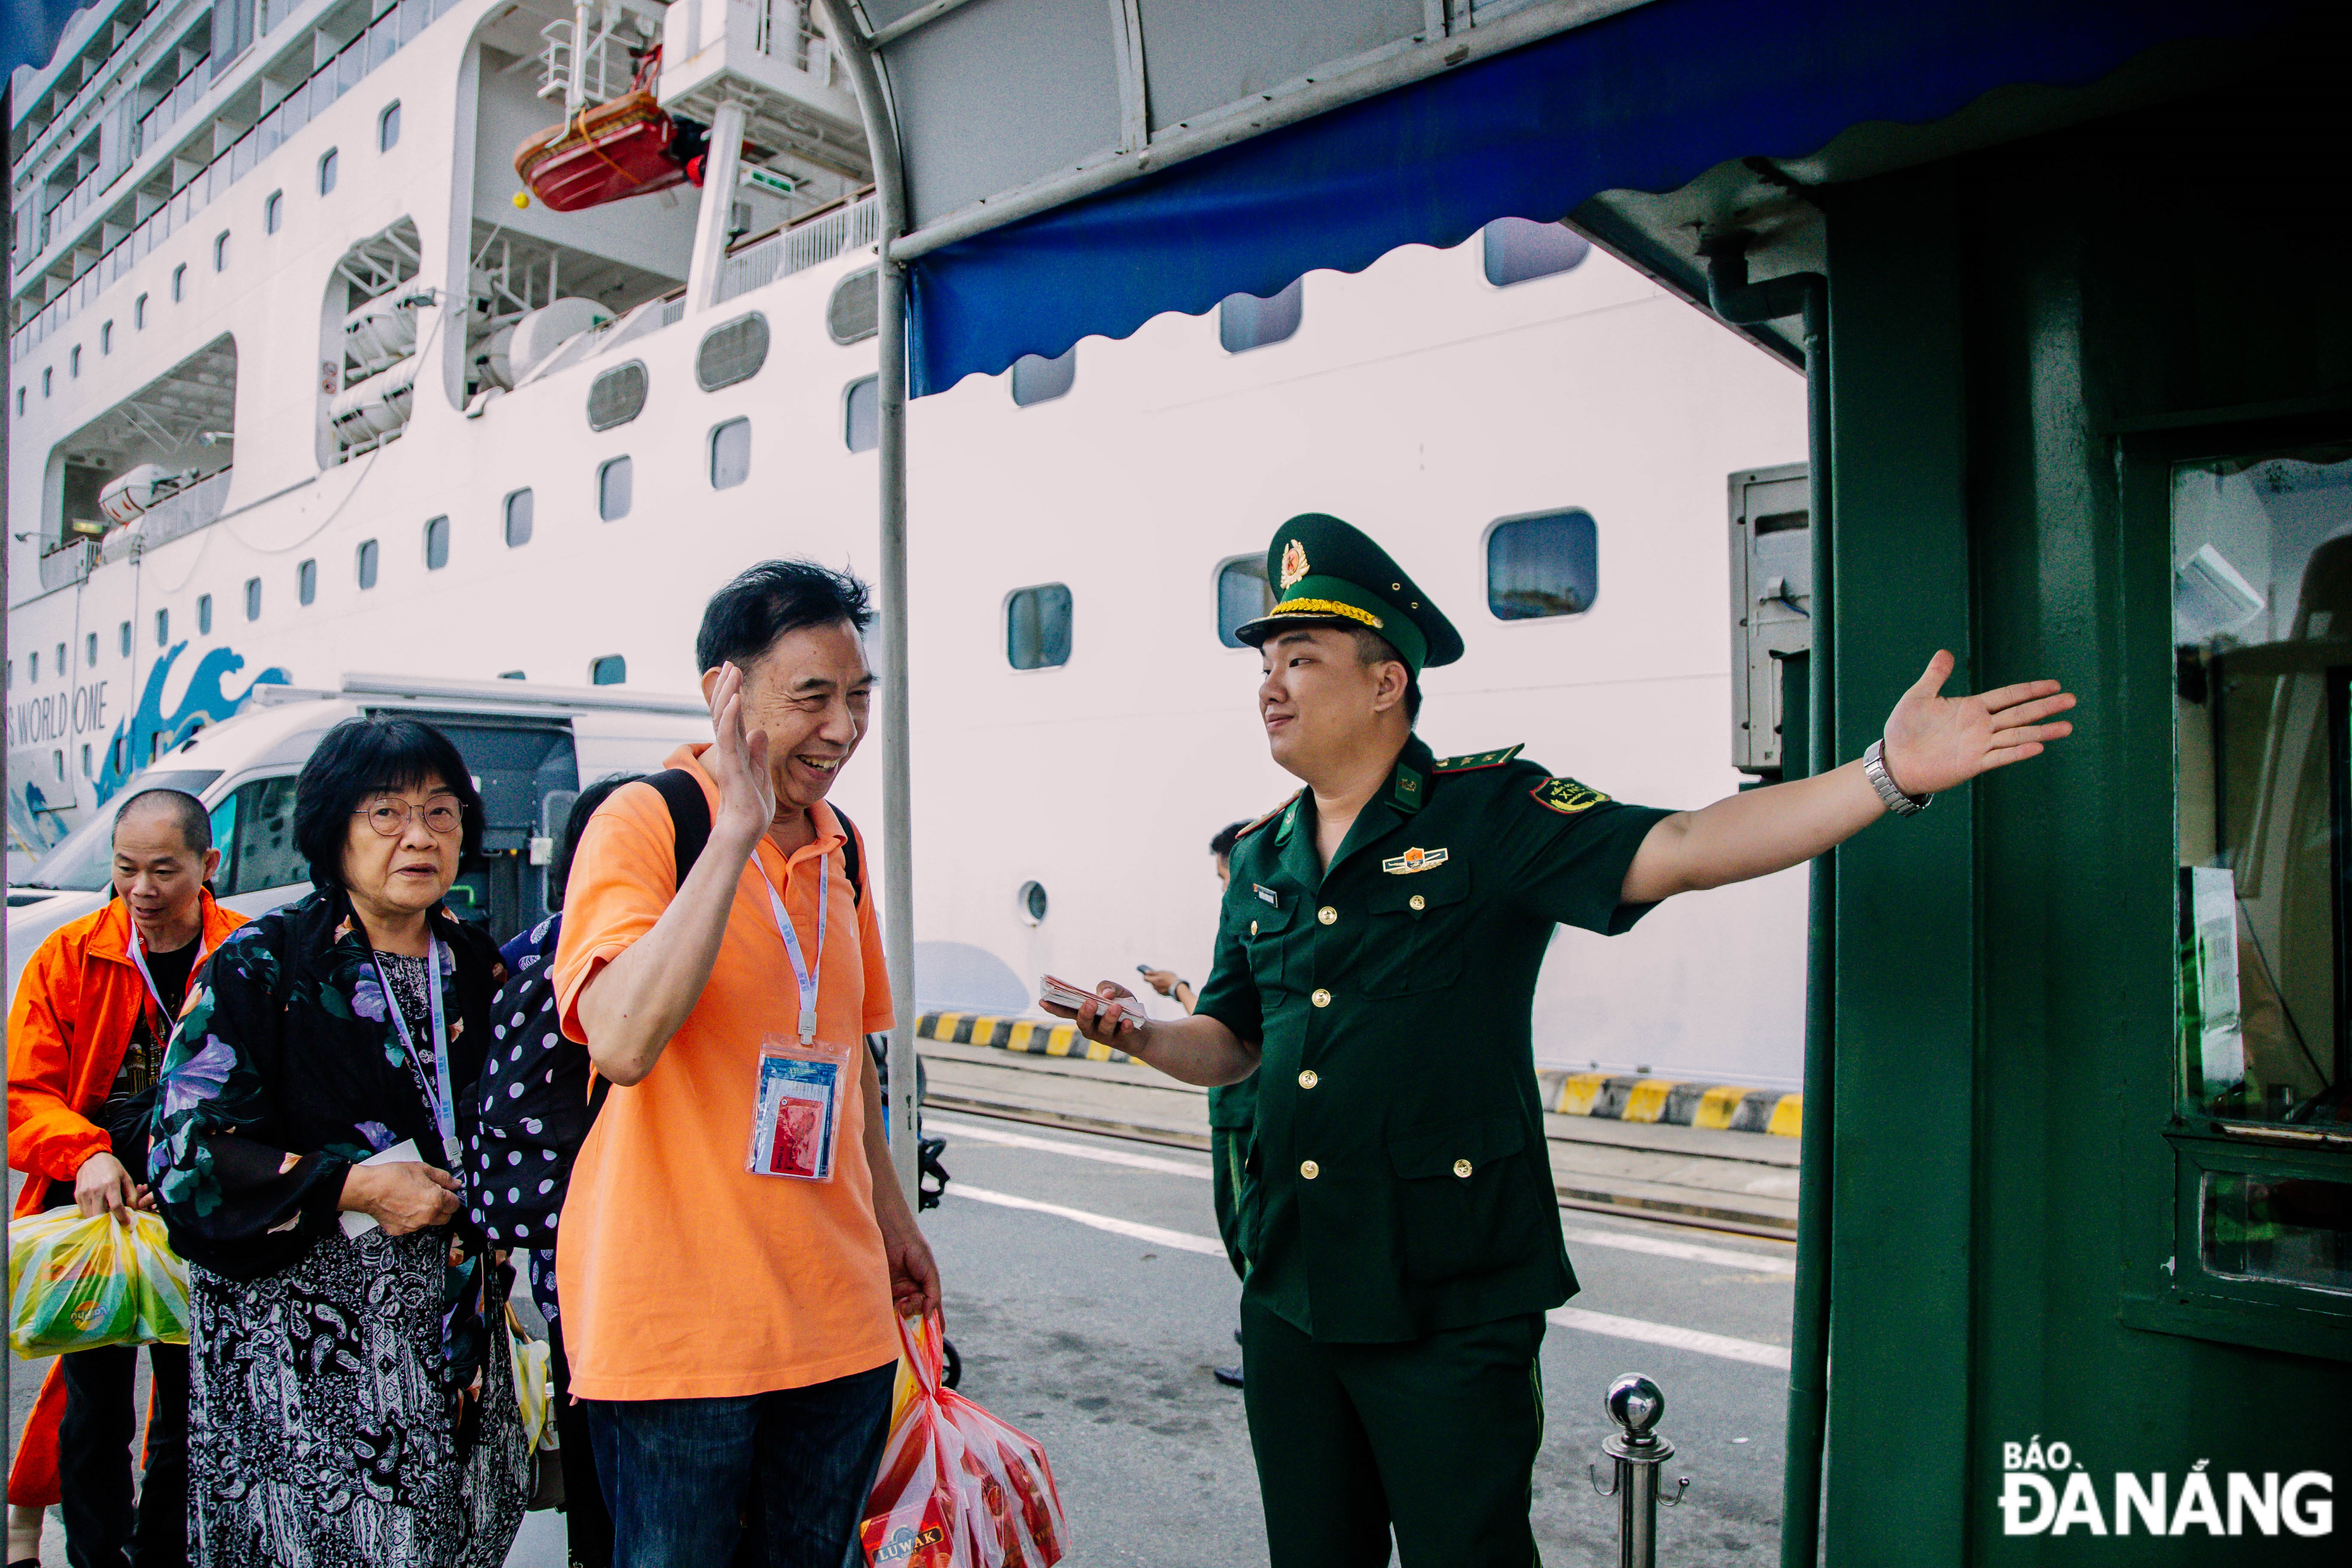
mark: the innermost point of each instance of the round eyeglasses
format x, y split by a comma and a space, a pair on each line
392, 817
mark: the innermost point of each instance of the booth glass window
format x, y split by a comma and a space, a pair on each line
2261, 589
1243, 595
1038, 626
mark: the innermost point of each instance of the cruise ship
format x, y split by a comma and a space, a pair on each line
306, 379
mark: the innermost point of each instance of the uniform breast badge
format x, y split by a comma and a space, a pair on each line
1567, 797
1411, 860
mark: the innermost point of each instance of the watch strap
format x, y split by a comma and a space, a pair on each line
1874, 768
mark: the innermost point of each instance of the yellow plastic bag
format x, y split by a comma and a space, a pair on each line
531, 1370
75, 1284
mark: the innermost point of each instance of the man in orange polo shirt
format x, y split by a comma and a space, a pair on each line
734, 1240
92, 1015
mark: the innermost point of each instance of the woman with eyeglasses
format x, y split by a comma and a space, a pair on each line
352, 1398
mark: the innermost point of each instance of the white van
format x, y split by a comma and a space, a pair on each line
531, 748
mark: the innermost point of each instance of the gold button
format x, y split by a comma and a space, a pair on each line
1307, 1079
1462, 1167
1327, 914
1252, 928
1309, 1169
1418, 902
1321, 999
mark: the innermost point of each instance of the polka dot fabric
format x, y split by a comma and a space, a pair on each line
534, 1104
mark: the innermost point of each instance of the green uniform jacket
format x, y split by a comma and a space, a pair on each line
1400, 1183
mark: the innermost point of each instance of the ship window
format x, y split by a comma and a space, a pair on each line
85, 761
1544, 564
122, 636
204, 615
1036, 379
139, 314
106, 337
1517, 249
220, 251
1038, 626
387, 127
1241, 597
73, 363
306, 582
518, 513
326, 172
61, 661
163, 627
1245, 321
730, 454
617, 397
861, 413
1029, 902
253, 598
614, 484
273, 212
57, 761
367, 564
20, 401
610, 670
33, 671
436, 544
47, 374
90, 651
854, 311
179, 282
731, 351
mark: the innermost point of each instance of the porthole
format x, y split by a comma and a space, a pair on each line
273, 212
1546, 563
730, 454
517, 518
367, 564
615, 484
163, 627
1243, 595
123, 638
861, 415
853, 312
1245, 321
1030, 904
1038, 626
220, 251
731, 351
1517, 249
1036, 379
387, 127
306, 582
204, 615
253, 598
610, 670
436, 544
327, 162
617, 397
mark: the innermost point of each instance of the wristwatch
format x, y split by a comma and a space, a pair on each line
1874, 768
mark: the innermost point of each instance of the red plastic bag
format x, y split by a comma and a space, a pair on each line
959, 1488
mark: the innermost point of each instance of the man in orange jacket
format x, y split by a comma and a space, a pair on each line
92, 1015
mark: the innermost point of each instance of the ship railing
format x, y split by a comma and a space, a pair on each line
173, 104
399, 25
799, 247
66, 566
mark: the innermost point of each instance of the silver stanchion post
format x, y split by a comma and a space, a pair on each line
1635, 1403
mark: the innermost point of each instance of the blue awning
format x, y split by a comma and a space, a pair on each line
1644, 101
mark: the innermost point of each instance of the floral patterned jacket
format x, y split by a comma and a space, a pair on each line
286, 1070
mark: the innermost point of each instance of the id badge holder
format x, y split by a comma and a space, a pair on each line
796, 1115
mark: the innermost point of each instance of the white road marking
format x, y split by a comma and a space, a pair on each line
1159, 1235
1753, 1352
1688, 1251
1080, 1151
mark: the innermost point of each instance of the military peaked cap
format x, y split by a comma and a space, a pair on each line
1324, 570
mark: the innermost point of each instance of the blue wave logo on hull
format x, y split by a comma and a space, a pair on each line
151, 732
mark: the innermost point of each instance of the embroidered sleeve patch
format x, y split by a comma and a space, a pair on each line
1567, 797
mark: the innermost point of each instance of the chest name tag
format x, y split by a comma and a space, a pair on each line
1266, 894
1567, 797
1411, 860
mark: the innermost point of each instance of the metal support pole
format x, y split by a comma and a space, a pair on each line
898, 763
1635, 1403
720, 168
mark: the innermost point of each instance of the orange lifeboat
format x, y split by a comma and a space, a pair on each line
608, 152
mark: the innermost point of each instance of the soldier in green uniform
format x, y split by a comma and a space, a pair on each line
1376, 963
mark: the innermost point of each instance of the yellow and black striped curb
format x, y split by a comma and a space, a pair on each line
1603, 1096
1719, 1107
1031, 1036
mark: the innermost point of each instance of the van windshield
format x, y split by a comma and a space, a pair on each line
83, 861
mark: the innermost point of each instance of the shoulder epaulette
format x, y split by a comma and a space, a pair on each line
1269, 816
1477, 759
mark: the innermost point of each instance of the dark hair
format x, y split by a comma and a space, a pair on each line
774, 598
185, 810
574, 825
1373, 648
360, 757
1222, 846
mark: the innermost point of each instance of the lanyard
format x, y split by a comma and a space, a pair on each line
807, 976
444, 1106
139, 958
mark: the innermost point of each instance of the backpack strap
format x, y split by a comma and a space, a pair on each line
690, 817
851, 858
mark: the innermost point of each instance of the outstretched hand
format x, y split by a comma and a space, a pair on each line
1934, 742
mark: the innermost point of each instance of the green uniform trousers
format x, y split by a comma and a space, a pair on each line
1434, 1437
1227, 1148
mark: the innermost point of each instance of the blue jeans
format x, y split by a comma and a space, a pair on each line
786, 1474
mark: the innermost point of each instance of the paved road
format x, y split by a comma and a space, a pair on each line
1090, 1300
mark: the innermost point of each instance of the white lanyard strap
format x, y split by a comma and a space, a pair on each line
807, 976
139, 958
443, 1105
